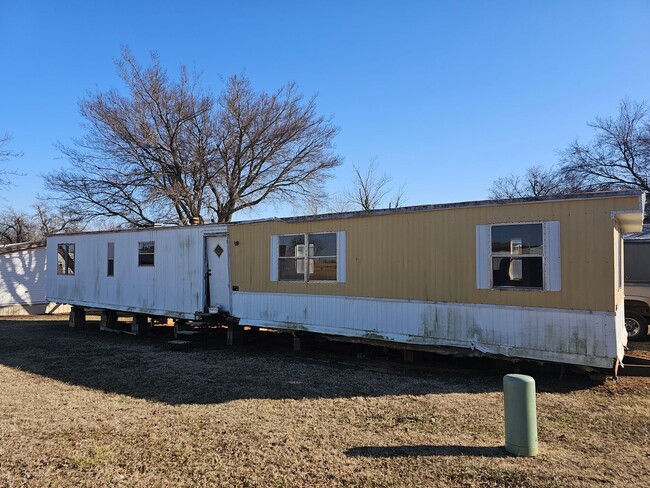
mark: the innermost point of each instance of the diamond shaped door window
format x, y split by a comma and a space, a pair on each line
218, 250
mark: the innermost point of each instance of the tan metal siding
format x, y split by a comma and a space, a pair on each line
431, 255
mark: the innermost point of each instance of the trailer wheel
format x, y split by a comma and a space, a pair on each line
636, 325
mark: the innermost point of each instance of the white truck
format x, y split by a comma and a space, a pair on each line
637, 284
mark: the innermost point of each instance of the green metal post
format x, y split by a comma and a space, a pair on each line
520, 415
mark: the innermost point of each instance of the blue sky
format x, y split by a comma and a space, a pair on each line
446, 96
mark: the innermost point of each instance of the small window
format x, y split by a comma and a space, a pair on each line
65, 259
111, 259
146, 253
517, 255
291, 256
307, 257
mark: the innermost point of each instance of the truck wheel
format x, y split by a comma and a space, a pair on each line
636, 325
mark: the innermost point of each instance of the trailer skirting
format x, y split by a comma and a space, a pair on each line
580, 337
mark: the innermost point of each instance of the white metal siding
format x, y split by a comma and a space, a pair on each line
173, 287
620, 334
568, 336
23, 277
553, 269
273, 265
483, 264
341, 260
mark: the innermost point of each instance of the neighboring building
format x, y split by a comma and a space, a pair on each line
538, 279
22, 280
637, 283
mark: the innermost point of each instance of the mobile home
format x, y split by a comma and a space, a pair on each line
537, 279
157, 271
22, 280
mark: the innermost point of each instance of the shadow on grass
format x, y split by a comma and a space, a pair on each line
426, 450
146, 368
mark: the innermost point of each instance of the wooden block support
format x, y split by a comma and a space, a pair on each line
107, 319
235, 335
140, 324
77, 317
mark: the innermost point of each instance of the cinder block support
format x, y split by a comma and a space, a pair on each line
409, 356
107, 319
235, 335
297, 343
140, 325
77, 317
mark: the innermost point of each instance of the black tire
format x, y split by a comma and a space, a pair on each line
636, 325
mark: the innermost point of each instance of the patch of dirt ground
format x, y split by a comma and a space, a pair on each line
640, 348
85, 408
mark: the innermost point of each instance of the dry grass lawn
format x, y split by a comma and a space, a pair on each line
84, 408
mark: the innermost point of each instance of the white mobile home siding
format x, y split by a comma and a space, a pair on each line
22, 277
566, 336
173, 287
22, 280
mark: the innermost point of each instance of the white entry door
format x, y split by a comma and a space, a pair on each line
218, 266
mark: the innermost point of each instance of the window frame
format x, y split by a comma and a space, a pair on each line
152, 254
67, 246
275, 256
543, 255
110, 259
620, 259
553, 254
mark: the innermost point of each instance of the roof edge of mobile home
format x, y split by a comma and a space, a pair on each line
22, 246
410, 209
468, 204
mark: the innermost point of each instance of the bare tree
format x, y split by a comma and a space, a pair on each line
369, 189
5, 155
536, 182
270, 146
169, 151
338, 203
312, 204
17, 227
619, 154
55, 220
618, 157
398, 197
143, 158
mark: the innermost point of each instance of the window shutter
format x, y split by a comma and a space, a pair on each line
340, 257
275, 243
483, 266
553, 278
